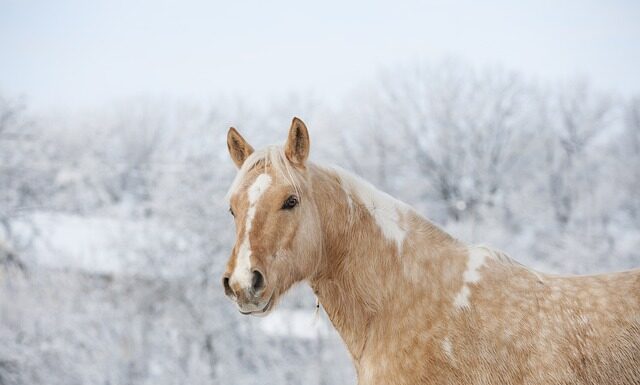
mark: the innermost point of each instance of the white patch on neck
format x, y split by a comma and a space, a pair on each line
447, 348
462, 298
477, 257
386, 210
242, 272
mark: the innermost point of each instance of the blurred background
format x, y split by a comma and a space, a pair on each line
510, 124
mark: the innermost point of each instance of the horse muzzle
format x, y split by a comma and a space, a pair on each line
250, 299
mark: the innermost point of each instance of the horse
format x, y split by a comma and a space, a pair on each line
413, 304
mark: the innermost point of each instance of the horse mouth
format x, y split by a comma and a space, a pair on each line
261, 312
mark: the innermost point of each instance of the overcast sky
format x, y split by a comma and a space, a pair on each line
65, 54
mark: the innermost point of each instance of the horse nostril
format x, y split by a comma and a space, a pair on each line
227, 287
257, 281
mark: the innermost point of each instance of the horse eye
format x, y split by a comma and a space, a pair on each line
231, 211
290, 203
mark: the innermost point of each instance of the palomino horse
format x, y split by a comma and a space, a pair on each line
412, 304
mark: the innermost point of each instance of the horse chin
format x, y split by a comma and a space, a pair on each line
265, 310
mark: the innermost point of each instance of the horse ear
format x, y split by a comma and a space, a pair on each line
239, 149
297, 147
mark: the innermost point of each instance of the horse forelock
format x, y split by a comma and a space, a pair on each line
269, 158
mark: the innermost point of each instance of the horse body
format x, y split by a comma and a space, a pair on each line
435, 311
414, 305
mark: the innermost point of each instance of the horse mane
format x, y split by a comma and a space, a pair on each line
497, 254
505, 259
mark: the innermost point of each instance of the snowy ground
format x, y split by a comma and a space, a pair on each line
88, 311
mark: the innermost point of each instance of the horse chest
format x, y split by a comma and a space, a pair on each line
397, 361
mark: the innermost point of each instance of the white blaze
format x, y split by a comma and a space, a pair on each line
242, 271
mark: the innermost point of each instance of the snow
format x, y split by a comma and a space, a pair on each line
304, 324
97, 243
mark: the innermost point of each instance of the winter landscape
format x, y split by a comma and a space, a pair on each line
114, 230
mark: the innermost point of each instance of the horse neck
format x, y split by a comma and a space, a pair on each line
362, 267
